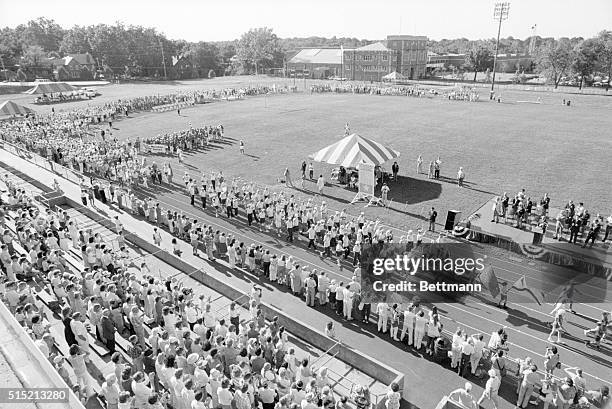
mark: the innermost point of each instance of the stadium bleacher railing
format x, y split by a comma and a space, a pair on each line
28, 363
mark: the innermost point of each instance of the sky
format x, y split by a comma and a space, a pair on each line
214, 20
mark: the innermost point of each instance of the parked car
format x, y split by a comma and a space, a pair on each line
89, 92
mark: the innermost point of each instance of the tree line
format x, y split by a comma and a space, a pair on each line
137, 51
563, 61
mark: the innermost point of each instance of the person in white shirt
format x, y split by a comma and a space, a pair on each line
575, 373
419, 329
320, 184
408, 326
464, 396
141, 389
491, 389
224, 395
382, 309
191, 313
79, 330
477, 354
467, 349
323, 287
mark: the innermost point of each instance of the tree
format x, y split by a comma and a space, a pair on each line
33, 55
258, 47
44, 33
585, 58
204, 56
604, 62
77, 41
479, 59
554, 60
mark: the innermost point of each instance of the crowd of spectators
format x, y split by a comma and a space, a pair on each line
180, 351
463, 94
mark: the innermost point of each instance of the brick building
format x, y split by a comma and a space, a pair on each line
402, 53
411, 54
369, 63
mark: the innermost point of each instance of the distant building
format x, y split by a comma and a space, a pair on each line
404, 54
505, 62
183, 68
411, 54
315, 63
85, 60
369, 63
444, 61
66, 69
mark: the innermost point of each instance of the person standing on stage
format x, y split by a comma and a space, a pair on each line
395, 170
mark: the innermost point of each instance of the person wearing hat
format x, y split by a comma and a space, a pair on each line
491, 390
110, 391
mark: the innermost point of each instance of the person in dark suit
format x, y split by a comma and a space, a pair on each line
108, 330
68, 334
574, 229
395, 170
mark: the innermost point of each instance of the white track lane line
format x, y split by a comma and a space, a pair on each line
519, 331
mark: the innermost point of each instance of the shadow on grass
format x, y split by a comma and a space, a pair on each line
408, 191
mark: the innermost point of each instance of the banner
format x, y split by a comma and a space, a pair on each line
366, 179
154, 148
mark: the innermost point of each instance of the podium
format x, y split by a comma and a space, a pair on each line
452, 219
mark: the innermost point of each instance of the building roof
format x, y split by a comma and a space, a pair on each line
406, 37
374, 47
318, 56
83, 59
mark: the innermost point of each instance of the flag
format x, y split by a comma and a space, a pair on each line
489, 280
521, 285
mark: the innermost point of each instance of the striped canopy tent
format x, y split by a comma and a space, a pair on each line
353, 150
9, 108
51, 88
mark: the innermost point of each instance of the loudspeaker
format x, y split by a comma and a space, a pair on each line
452, 218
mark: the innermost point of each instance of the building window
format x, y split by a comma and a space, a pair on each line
367, 58
385, 57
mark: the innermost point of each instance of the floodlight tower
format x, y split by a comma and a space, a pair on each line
500, 13
532, 42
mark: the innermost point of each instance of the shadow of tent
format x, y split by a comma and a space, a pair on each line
409, 190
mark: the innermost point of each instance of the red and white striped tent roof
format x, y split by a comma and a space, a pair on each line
11, 108
353, 150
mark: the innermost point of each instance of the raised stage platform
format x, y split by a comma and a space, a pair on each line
595, 260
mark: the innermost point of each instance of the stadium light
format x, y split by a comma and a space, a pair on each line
500, 13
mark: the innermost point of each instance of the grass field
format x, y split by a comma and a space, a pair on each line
545, 147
